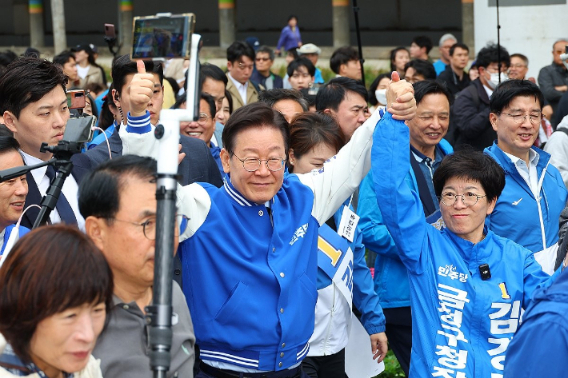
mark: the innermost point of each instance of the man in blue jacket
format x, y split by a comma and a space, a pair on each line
427, 149
529, 208
12, 192
253, 306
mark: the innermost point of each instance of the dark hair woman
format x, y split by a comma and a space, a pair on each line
55, 290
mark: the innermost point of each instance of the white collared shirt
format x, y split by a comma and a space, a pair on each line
529, 174
488, 91
70, 189
242, 88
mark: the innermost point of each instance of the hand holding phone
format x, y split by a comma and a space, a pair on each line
141, 89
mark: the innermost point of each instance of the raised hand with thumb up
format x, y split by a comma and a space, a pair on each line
400, 98
140, 90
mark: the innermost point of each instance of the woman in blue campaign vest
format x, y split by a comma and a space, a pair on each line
343, 275
467, 284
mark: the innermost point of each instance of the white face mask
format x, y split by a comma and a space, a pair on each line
381, 95
494, 81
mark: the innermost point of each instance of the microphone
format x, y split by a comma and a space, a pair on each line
485, 272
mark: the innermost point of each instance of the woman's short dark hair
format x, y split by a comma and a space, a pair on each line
310, 129
49, 270
301, 62
27, 80
471, 165
257, 114
393, 56
508, 90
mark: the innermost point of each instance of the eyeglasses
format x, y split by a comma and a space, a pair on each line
252, 164
468, 199
301, 75
517, 65
262, 59
203, 117
149, 225
519, 119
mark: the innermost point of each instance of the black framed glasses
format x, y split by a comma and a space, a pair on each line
468, 199
149, 225
253, 164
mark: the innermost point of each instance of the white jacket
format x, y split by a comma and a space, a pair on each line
92, 370
557, 147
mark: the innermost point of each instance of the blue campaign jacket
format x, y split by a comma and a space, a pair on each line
542, 338
231, 304
391, 278
462, 324
516, 213
23, 230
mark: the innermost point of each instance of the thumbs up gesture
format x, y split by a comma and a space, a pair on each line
400, 98
140, 90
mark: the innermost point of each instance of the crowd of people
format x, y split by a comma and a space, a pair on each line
449, 181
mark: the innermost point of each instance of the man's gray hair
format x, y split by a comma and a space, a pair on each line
445, 37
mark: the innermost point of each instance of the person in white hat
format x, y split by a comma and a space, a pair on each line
312, 52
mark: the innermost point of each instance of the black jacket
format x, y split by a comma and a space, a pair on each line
452, 81
470, 119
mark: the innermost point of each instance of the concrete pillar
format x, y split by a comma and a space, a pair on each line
340, 23
125, 16
227, 29
468, 32
58, 21
37, 31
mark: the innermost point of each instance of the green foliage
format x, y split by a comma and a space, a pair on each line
392, 368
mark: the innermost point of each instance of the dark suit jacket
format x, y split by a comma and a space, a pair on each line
33, 197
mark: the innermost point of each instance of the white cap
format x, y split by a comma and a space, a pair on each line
309, 48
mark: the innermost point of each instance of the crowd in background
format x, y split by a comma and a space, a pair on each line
430, 207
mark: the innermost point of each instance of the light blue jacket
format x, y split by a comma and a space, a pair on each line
516, 214
391, 278
462, 324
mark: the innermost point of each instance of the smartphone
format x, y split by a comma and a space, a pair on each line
109, 31
79, 129
76, 99
162, 36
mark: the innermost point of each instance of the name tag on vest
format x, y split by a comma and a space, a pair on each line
335, 259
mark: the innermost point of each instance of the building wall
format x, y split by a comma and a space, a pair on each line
383, 23
527, 29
